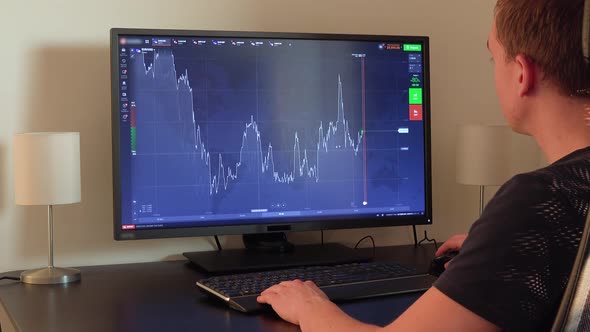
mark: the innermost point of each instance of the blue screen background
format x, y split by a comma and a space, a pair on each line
229, 131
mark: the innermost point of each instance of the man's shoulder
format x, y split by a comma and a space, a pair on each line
522, 188
512, 265
568, 177
558, 194
579, 159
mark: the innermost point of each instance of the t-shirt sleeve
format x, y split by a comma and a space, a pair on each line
514, 265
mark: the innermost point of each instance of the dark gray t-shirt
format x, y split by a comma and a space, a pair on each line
514, 265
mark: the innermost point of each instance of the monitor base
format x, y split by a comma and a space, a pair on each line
243, 260
276, 242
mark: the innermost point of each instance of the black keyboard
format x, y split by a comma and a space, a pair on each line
339, 282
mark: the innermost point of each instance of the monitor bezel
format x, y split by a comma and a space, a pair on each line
283, 224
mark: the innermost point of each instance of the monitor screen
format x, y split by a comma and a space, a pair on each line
237, 132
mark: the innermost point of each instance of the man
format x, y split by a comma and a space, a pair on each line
514, 264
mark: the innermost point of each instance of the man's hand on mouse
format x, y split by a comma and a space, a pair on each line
455, 242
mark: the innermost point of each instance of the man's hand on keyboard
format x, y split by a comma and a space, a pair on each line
293, 300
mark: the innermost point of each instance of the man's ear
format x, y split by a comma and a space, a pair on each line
526, 74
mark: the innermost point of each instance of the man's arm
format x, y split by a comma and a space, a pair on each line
304, 304
434, 311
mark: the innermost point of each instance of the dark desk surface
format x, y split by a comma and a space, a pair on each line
162, 296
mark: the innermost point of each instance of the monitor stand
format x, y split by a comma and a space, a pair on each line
273, 251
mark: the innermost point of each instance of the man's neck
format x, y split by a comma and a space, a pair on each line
561, 126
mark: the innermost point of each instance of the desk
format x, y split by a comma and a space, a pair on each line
162, 296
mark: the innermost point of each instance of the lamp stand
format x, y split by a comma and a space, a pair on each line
481, 199
50, 274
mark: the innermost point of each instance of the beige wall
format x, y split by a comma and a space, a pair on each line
55, 77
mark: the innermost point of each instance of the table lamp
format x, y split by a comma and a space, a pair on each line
47, 172
483, 156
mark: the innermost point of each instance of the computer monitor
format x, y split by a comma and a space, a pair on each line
223, 132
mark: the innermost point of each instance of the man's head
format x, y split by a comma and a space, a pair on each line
549, 32
537, 43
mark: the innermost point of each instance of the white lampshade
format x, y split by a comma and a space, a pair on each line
483, 154
47, 168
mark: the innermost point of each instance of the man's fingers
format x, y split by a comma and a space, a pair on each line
445, 247
275, 288
453, 243
441, 250
266, 297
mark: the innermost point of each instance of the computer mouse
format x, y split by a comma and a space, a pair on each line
437, 266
